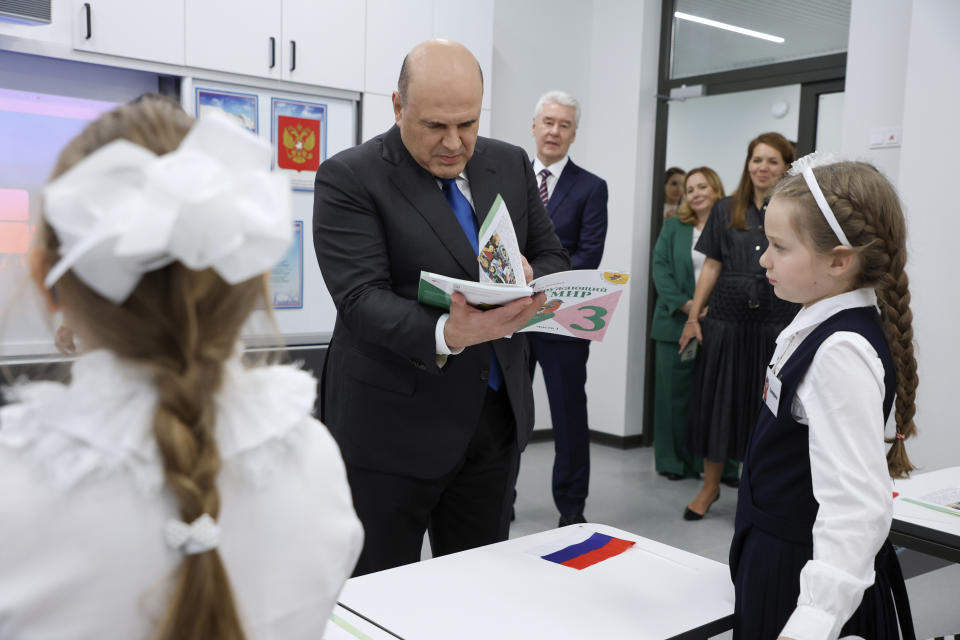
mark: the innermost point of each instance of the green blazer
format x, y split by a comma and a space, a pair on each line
673, 278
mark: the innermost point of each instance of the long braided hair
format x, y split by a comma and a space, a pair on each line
182, 325
868, 210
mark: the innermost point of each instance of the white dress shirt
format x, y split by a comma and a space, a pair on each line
555, 170
697, 257
83, 505
841, 399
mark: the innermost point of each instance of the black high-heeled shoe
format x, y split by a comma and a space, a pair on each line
690, 514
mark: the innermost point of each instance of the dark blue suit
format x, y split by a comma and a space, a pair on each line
578, 209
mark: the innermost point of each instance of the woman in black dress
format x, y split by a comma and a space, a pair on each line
743, 320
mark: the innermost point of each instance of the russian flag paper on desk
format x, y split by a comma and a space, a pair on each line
596, 547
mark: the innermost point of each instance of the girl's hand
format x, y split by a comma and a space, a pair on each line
685, 309
690, 330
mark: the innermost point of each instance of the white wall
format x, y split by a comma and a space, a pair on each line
876, 69
714, 131
927, 163
605, 53
648, 31
527, 62
902, 70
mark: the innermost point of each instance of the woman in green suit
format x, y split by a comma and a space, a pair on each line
676, 266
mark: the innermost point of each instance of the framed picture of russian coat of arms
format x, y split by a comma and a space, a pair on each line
299, 138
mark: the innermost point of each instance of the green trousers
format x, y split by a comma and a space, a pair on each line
672, 387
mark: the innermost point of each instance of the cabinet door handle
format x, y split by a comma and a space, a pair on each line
86, 10
293, 55
273, 52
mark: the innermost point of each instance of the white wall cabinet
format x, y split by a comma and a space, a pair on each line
355, 45
316, 42
323, 42
393, 28
237, 36
141, 29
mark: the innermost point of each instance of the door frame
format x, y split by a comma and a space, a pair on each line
810, 93
815, 75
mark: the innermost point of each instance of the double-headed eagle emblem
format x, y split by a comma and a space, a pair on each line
299, 141
616, 278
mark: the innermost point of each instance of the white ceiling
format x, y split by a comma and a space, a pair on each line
810, 28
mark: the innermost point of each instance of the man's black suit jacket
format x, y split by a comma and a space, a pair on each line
379, 219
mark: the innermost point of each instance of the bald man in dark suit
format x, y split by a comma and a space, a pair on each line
430, 409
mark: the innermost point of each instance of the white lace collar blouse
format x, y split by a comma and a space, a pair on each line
83, 505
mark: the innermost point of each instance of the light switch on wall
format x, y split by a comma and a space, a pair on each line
885, 137
892, 137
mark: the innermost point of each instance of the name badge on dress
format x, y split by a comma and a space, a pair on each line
771, 391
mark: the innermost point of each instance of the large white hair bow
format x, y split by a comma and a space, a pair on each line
213, 202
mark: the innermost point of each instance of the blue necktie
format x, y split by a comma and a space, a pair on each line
464, 212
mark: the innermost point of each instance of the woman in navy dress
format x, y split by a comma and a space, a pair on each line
742, 321
810, 556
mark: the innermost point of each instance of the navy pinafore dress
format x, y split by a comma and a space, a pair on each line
776, 509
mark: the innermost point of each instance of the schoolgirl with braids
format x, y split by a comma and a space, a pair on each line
810, 556
168, 491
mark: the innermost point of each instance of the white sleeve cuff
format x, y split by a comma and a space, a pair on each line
442, 348
810, 623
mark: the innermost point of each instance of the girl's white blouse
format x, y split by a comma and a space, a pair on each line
83, 505
841, 400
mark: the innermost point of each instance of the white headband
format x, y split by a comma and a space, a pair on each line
804, 166
123, 211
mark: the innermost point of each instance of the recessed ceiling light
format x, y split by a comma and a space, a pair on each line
728, 27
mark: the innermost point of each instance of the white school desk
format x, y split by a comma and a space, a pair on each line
346, 625
923, 529
500, 591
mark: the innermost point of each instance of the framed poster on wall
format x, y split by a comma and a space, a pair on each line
299, 138
286, 279
242, 106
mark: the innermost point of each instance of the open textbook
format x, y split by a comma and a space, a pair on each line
579, 303
944, 500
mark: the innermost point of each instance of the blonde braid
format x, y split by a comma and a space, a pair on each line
183, 325
894, 298
203, 606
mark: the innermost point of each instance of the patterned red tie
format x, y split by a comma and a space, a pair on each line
543, 186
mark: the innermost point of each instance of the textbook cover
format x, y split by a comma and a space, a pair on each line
579, 303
